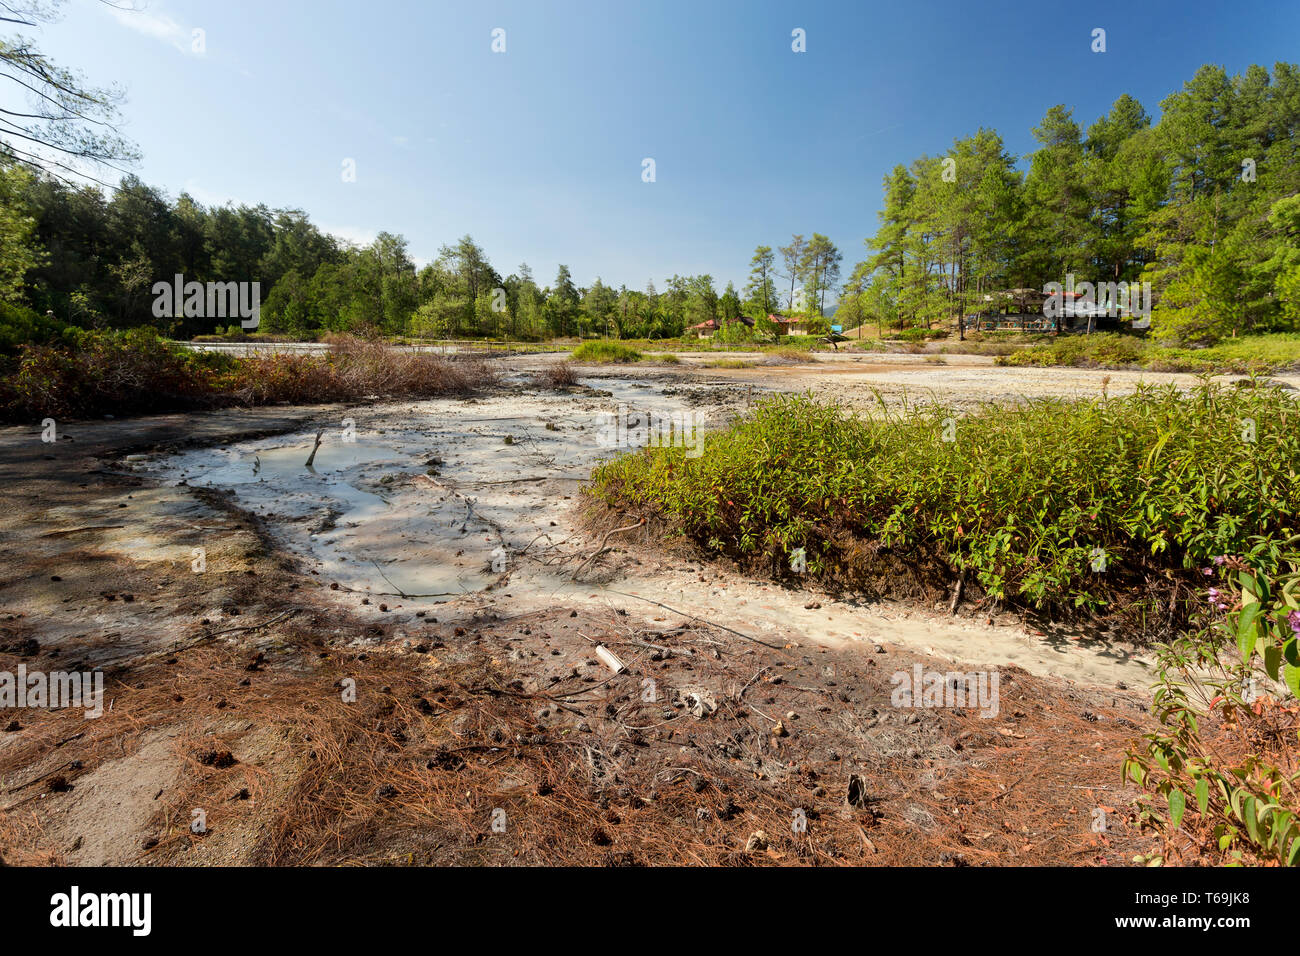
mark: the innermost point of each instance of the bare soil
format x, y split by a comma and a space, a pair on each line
753, 723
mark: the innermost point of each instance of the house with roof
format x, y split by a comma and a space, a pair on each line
789, 325
705, 329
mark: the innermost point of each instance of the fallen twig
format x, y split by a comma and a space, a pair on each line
696, 617
601, 549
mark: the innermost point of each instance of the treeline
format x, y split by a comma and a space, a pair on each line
92, 259
1202, 204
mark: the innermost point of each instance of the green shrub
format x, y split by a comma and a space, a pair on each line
117, 372
917, 335
805, 343
736, 333
20, 326
1219, 776
1245, 355
1026, 498
604, 351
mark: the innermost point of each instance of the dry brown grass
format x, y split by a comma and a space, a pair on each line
355, 370
137, 373
585, 770
557, 375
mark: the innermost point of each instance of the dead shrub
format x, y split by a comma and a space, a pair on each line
560, 375
138, 373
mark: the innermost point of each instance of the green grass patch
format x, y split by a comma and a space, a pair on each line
728, 363
1249, 354
1027, 499
604, 351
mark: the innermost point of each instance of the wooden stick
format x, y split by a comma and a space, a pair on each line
312, 456
601, 550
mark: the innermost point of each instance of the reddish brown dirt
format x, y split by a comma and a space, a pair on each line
225, 695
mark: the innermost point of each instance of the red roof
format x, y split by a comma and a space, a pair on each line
713, 323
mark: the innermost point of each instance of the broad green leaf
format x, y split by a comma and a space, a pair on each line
1177, 804
1272, 660
1246, 632
1291, 675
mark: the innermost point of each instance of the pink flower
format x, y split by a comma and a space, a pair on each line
1294, 620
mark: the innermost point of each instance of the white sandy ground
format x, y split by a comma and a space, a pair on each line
487, 531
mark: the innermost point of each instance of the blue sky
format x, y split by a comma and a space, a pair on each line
537, 152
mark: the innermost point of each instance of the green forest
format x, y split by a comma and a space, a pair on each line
1204, 204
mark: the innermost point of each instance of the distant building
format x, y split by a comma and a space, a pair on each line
705, 329
788, 325
1024, 310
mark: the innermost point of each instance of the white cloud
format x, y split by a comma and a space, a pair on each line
157, 25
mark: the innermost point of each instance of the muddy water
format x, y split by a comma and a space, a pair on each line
427, 500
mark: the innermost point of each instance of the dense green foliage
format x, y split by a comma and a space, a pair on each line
605, 352
1256, 353
93, 260
1026, 498
20, 326
1220, 772
1202, 204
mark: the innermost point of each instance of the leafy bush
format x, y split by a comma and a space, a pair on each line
736, 333
1245, 355
1027, 498
917, 335
20, 325
803, 342
603, 351
107, 372
1100, 349
1220, 776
